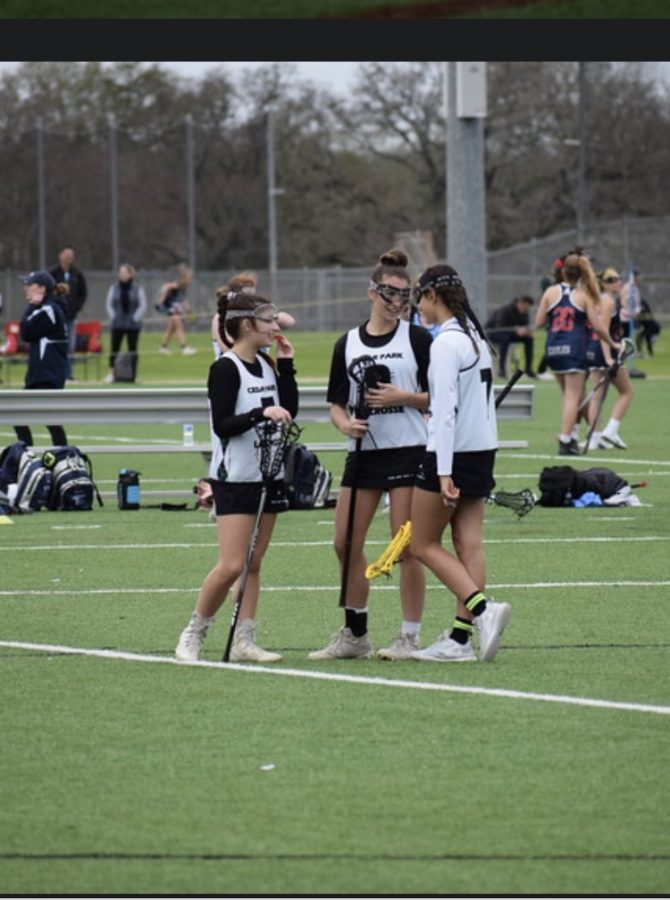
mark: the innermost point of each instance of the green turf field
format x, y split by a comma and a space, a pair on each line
544, 772
234, 9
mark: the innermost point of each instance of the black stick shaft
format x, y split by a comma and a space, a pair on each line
346, 561
245, 574
508, 387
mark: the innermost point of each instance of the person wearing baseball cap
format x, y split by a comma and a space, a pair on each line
44, 329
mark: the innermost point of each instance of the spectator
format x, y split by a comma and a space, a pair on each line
44, 329
126, 304
66, 272
648, 328
172, 303
510, 324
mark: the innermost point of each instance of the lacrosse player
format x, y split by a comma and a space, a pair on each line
567, 306
600, 359
456, 474
387, 438
245, 388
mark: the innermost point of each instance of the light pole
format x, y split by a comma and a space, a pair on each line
113, 194
273, 192
190, 190
582, 112
41, 196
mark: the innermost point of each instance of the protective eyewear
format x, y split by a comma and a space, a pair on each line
611, 281
391, 294
266, 313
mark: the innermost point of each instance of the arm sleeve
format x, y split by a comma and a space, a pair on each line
421, 340
141, 305
338, 382
109, 308
222, 387
446, 363
288, 388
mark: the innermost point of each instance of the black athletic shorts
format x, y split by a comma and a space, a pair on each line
471, 472
383, 469
232, 498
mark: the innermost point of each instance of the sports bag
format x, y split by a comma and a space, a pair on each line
559, 485
25, 482
307, 482
73, 486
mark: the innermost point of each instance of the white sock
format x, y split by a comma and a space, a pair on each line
201, 622
612, 427
575, 433
411, 627
565, 438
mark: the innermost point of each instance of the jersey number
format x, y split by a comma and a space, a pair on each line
563, 319
486, 377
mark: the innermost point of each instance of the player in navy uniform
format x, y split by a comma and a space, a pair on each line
244, 388
567, 306
456, 474
393, 440
599, 358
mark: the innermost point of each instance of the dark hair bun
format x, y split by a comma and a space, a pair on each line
394, 257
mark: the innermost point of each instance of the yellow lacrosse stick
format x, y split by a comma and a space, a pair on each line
390, 556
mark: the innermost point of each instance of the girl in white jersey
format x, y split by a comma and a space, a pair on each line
393, 437
244, 389
241, 283
456, 474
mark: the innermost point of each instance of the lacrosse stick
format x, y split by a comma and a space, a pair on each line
508, 387
365, 372
627, 350
520, 501
274, 440
383, 566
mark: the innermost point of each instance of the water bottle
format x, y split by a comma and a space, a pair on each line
188, 435
128, 489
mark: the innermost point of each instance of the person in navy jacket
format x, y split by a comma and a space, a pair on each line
44, 329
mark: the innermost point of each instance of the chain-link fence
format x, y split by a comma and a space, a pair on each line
333, 299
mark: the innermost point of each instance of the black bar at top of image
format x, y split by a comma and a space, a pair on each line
336, 39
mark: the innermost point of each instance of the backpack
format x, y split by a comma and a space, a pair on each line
306, 481
124, 368
25, 482
73, 487
559, 485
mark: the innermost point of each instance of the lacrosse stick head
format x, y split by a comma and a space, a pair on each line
366, 373
521, 502
272, 443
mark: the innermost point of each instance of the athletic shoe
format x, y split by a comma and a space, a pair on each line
545, 376
344, 645
108, 379
165, 351
446, 649
491, 624
191, 640
621, 498
188, 351
614, 440
245, 648
571, 448
402, 648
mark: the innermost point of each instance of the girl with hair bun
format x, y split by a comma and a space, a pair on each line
567, 306
392, 435
456, 473
245, 387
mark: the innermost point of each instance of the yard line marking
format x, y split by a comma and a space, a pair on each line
347, 679
312, 588
297, 544
73, 527
624, 460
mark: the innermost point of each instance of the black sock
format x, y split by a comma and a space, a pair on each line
476, 603
461, 630
356, 620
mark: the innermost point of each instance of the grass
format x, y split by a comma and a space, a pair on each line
141, 777
233, 9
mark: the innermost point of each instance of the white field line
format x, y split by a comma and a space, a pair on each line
321, 588
347, 679
299, 544
620, 460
